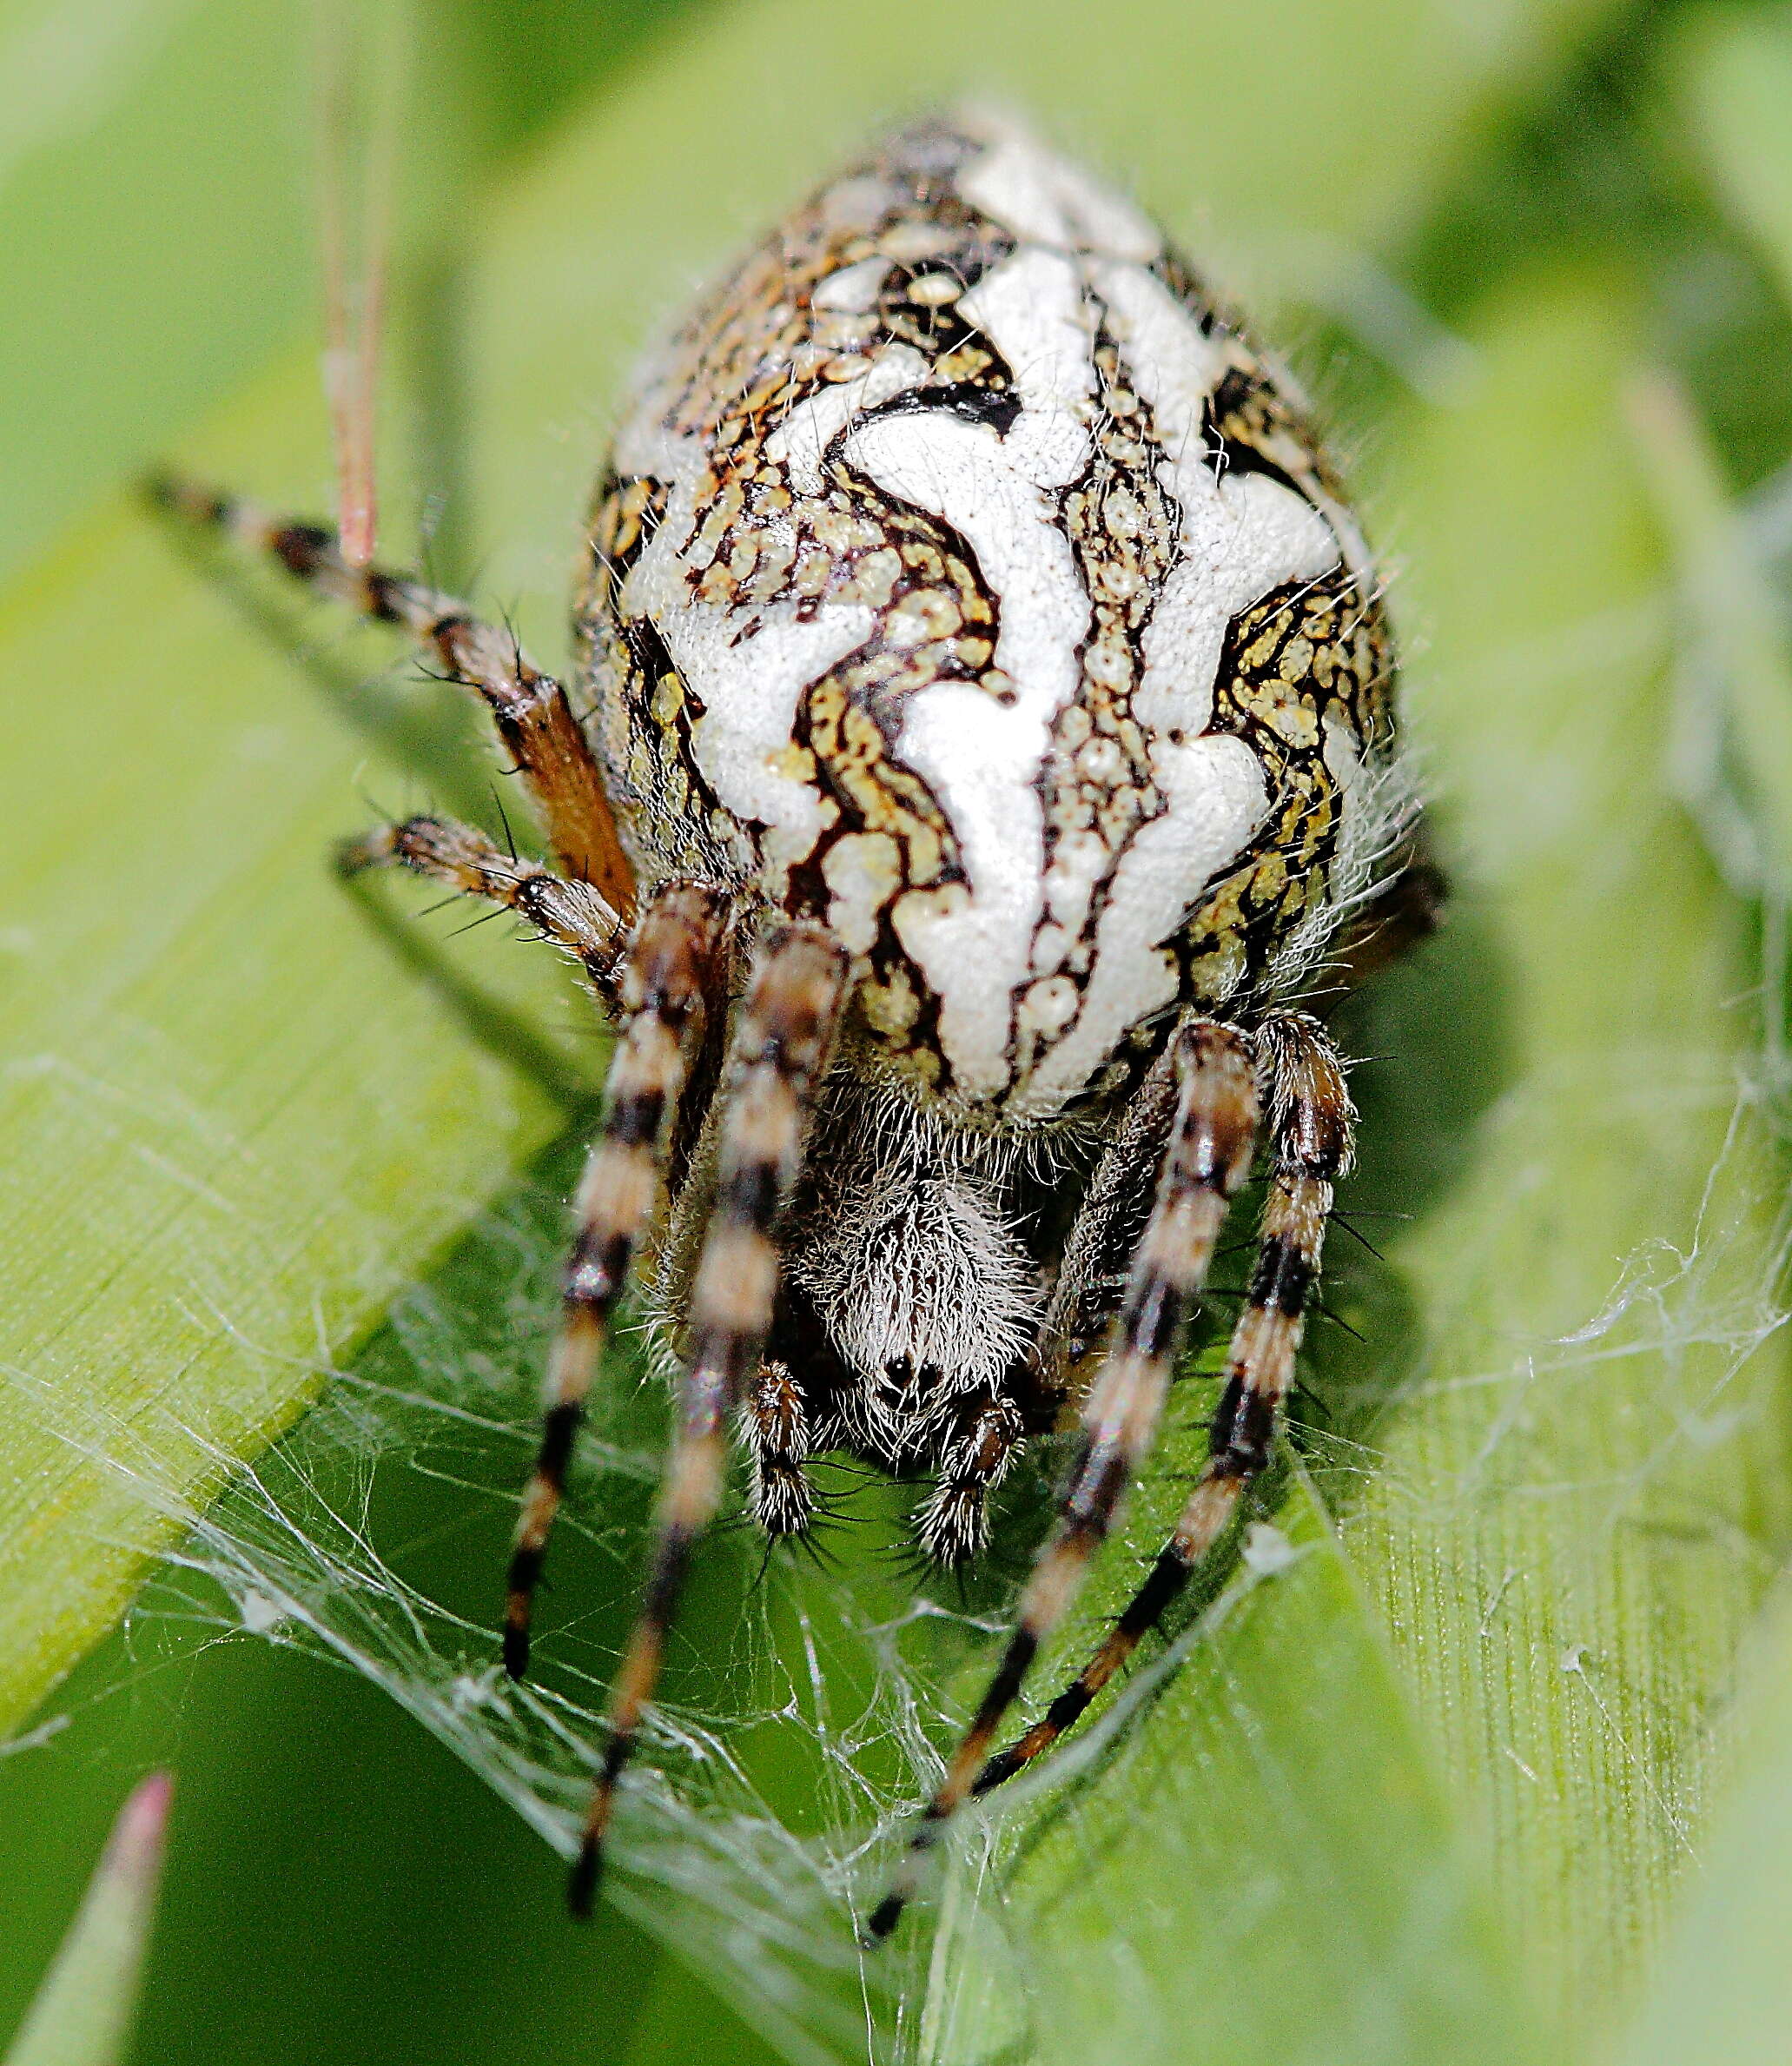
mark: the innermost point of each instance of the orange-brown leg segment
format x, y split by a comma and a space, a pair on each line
1209, 1157
1314, 1122
671, 971
782, 1044
529, 708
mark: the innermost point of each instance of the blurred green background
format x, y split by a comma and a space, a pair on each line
1537, 260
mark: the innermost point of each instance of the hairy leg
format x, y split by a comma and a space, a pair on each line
569, 913
1098, 1252
665, 982
1208, 1159
782, 1044
1314, 1122
529, 708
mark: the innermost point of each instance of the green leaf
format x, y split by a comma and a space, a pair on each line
154, 190
1732, 633
237, 1123
1733, 72
158, 185
1458, 1740
1723, 1994
1583, 1501
82, 2013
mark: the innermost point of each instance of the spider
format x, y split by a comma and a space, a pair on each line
983, 741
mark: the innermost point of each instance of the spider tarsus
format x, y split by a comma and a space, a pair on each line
516, 1644
525, 1562
996, 1772
176, 495
582, 1881
356, 856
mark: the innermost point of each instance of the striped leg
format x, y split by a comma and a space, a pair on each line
668, 973
1313, 1121
569, 913
1208, 1159
529, 708
1097, 1251
785, 1031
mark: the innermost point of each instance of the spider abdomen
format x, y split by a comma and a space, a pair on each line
964, 583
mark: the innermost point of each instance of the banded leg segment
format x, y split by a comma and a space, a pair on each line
786, 1034
529, 708
669, 974
571, 914
1313, 1124
1209, 1157
1092, 1276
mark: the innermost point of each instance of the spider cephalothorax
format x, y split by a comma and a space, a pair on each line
989, 733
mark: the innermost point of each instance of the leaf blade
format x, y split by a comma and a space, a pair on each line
82, 2014
216, 1086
